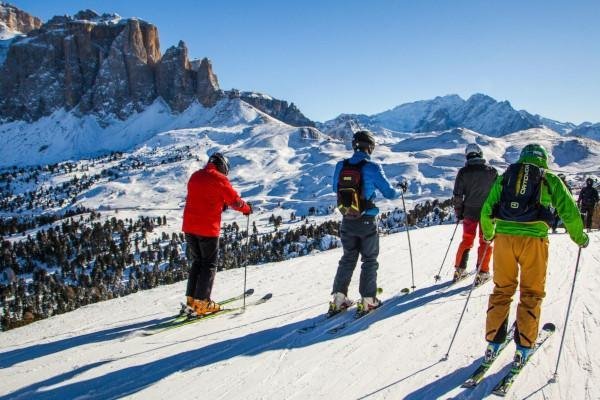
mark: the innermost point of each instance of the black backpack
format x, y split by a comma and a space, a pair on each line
350, 199
521, 194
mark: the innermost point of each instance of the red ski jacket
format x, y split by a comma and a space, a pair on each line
208, 192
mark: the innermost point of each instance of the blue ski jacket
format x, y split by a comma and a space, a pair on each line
373, 178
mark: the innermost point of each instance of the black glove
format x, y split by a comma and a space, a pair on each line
459, 214
250, 210
225, 207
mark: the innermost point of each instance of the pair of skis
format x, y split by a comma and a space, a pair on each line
184, 319
346, 323
504, 385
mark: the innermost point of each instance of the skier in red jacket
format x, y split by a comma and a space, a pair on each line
209, 193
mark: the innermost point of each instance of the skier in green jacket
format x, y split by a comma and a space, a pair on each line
516, 215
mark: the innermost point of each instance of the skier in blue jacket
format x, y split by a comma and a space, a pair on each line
358, 230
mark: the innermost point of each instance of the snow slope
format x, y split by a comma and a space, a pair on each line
97, 352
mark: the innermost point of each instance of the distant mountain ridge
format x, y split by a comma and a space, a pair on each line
480, 113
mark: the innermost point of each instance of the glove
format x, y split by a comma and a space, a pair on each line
586, 242
459, 214
225, 207
403, 186
250, 210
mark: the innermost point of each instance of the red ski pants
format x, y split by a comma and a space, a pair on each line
469, 233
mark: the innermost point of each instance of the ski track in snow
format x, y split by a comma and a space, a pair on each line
97, 352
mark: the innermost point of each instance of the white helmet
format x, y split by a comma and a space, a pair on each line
473, 151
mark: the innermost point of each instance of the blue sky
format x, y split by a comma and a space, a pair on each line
349, 56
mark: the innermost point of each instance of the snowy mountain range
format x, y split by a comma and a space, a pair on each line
479, 113
272, 164
91, 106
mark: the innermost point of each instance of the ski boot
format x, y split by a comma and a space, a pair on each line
459, 273
340, 303
204, 307
188, 307
482, 277
522, 354
366, 305
491, 352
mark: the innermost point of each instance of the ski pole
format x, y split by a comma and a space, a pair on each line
562, 341
246, 258
412, 271
487, 246
438, 277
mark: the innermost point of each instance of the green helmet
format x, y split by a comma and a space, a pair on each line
534, 154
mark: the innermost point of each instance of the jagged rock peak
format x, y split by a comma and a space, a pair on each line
18, 20
180, 82
279, 109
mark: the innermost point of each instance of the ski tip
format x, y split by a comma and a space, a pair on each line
249, 292
267, 296
405, 290
549, 326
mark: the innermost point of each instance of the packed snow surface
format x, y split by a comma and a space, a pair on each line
99, 351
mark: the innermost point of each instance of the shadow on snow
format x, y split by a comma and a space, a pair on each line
12, 357
132, 379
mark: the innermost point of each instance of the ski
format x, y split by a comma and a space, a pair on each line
477, 376
185, 312
477, 285
324, 318
502, 388
193, 320
183, 317
359, 315
454, 282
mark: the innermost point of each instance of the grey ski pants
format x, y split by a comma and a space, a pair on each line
359, 237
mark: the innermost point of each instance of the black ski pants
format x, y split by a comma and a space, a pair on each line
359, 237
203, 252
588, 210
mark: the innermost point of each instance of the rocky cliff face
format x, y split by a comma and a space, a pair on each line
17, 20
99, 64
280, 109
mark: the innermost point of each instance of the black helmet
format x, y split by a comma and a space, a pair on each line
220, 161
589, 181
363, 140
